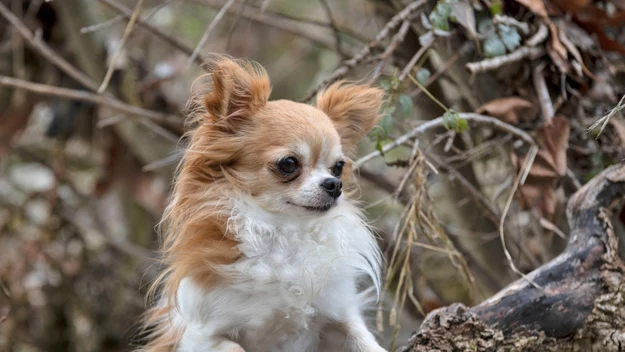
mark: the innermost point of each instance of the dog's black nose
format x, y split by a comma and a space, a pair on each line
333, 186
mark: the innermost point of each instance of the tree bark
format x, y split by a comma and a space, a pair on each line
579, 304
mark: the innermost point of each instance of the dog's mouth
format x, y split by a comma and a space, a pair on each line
316, 208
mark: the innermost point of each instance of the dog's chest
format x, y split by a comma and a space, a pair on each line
298, 282
296, 274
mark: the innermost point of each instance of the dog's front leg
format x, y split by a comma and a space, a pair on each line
351, 335
196, 341
358, 336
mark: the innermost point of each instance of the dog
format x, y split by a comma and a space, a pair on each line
262, 249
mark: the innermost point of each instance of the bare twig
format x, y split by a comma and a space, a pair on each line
429, 40
111, 21
209, 29
413, 165
546, 105
258, 16
548, 225
76, 74
491, 211
98, 26
538, 37
497, 62
46, 51
512, 22
44, 89
127, 13
397, 38
333, 26
120, 47
573, 179
364, 52
437, 123
464, 49
529, 160
606, 119
304, 20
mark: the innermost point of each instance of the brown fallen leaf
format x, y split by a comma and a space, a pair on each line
564, 66
510, 109
539, 190
537, 193
536, 6
555, 41
564, 39
553, 137
572, 6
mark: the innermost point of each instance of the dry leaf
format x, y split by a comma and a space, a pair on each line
536, 6
564, 66
544, 166
553, 137
539, 190
511, 109
464, 15
540, 197
572, 6
564, 39
555, 41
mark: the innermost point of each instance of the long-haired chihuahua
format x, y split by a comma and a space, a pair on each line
262, 250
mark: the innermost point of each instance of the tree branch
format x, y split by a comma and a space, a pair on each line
581, 302
437, 123
364, 52
170, 120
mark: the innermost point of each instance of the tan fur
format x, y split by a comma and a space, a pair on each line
237, 137
354, 110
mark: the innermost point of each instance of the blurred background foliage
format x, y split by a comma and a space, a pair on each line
85, 168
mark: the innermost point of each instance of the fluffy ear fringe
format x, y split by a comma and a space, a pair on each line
236, 89
353, 108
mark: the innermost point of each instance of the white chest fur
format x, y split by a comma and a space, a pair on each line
295, 276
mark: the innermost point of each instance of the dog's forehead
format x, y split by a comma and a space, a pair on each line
304, 128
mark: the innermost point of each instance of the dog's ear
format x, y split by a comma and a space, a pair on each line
353, 108
238, 90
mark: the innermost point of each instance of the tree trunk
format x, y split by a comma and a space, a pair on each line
578, 303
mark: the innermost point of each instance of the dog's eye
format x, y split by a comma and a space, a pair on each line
287, 165
337, 169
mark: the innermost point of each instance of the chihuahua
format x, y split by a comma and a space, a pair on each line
262, 250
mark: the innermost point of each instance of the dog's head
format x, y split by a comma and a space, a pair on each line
285, 155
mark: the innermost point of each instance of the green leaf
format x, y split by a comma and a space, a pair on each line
385, 85
439, 17
395, 83
423, 75
444, 9
494, 46
406, 105
496, 7
452, 121
387, 123
484, 24
510, 37
379, 146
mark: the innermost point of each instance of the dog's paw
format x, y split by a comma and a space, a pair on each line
228, 346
